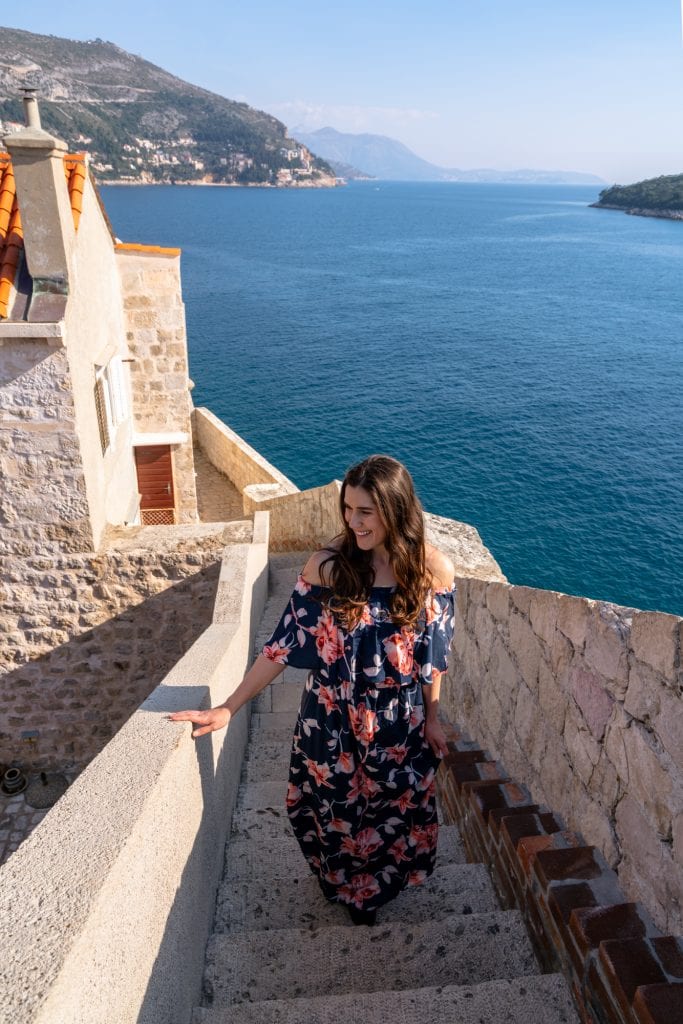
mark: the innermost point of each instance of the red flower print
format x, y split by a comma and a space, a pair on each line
345, 763
399, 650
426, 781
432, 609
398, 850
345, 689
361, 785
397, 754
335, 877
360, 889
416, 877
277, 652
364, 845
319, 773
363, 722
302, 587
328, 639
405, 801
416, 716
293, 794
423, 837
338, 825
326, 697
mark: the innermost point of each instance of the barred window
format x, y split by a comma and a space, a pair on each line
111, 399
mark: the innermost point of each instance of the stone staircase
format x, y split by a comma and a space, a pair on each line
281, 953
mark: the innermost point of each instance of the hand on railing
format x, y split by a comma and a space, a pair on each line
208, 721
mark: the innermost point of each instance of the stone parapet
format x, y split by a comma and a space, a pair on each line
233, 457
87, 637
107, 906
582, 701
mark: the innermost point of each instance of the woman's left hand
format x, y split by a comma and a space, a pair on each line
436, 737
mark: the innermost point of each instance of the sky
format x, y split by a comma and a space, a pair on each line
580, 85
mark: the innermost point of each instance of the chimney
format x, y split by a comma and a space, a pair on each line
38, 161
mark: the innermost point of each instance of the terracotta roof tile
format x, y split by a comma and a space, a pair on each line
11, 234
152, 250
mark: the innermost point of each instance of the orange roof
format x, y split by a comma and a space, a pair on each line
151, 250
11, 234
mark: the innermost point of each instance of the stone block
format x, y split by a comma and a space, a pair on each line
668, 726
659, 1004
521, 598
552, 700
573, 616
607, 645
645, 687
593, 699
543, 614
654, 640
627, 964
525, 649
498, 600
649, 781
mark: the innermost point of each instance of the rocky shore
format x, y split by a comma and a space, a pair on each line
637, 211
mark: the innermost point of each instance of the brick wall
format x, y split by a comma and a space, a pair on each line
582, 702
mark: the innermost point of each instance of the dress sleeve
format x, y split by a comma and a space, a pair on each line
433, 644
295, 640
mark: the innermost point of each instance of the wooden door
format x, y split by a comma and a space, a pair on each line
155, 483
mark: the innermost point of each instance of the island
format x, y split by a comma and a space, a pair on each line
654, 197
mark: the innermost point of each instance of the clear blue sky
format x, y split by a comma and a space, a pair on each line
587, 85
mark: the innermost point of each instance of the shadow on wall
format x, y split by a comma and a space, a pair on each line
78, 695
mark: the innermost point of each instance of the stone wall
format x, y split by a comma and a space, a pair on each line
154, 317
581, 700
236, 459
43, 501
84, 638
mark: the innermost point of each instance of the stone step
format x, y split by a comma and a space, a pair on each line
267, 762
263, 904
282, 696
542, 997
250, 966
273, 726
278, 857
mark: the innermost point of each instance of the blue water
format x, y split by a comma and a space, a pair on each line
521, 352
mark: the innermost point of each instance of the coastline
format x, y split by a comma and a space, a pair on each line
324, 183
637, 211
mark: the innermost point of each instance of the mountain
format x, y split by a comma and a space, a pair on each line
142, 124
382, 157
654, 197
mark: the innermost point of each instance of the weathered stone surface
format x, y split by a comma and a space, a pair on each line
655, 641
527, 650
595, 702
643, 696
498, 601
551, 698
543, 614
649, 780
607, 646
573, 617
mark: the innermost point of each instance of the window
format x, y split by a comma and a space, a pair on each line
111, 399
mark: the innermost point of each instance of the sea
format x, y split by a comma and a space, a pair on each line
519, 350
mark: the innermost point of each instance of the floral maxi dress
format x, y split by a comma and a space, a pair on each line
361, 796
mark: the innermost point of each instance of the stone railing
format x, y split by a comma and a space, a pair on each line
236, 459
107, 906
582, 702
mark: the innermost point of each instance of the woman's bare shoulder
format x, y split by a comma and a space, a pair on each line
440, 566
311, 572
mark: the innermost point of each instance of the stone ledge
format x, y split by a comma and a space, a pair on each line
620, 968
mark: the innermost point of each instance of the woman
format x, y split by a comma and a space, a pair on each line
372, 617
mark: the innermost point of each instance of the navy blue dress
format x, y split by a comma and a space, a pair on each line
361, 797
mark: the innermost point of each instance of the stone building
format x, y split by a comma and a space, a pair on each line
94, 387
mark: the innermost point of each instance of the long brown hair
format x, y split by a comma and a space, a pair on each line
349, 572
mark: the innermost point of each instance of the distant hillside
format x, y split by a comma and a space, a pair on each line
662, 197
141, 123
388, 159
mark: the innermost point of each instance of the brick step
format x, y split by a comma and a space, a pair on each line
287, 963
264, 904
278, 857
543, 997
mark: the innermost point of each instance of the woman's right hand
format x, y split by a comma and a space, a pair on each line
208, 721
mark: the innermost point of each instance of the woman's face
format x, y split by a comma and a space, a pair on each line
363, 519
